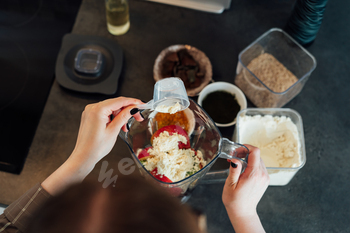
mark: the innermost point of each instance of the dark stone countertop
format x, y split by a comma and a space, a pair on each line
316, 200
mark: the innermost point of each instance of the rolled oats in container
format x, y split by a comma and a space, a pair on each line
273, 69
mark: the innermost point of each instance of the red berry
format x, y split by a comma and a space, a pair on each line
143, 155
160, 177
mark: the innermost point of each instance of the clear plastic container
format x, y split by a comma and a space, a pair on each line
167, 92
88, 61
289, 53
279, 176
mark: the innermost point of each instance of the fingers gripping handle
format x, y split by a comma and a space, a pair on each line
228, 150
232, 150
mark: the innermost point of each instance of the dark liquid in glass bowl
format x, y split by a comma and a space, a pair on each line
221, 106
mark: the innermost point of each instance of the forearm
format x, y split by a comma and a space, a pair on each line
72, 171
245, 224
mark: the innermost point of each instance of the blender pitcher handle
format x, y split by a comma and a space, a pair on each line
232, 150
229, 150
123, 134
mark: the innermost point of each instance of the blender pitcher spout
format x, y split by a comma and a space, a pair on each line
232, 150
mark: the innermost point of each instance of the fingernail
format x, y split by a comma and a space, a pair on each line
233, 165
134, 111
127, 126
142, 115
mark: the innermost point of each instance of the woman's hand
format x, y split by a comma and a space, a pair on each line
96, 138
98, 133
242, 192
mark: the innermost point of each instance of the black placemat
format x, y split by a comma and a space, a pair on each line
104, 83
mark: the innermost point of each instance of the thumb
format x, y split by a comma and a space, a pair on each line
234, 173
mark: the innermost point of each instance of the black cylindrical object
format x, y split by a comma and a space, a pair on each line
305, 20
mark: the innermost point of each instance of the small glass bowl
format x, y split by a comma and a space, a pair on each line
228, 87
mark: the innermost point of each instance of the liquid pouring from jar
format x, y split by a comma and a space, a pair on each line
169, 96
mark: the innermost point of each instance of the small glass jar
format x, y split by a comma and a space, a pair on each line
117, 13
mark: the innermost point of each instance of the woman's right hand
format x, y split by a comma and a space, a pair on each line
98, 133
96, 138
242, 192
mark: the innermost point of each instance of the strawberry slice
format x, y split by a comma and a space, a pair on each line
160, 177
144, 154
171, 129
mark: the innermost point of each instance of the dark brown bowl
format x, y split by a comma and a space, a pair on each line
204, 66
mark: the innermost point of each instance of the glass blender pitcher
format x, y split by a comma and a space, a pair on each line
204, 136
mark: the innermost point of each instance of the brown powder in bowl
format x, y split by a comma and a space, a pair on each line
274, 75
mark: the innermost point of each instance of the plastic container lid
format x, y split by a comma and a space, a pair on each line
88, 61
